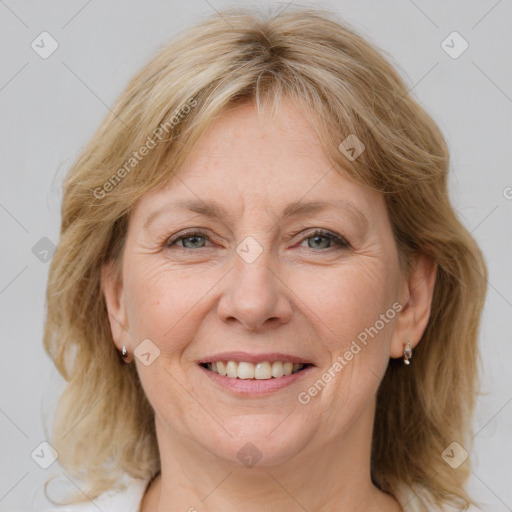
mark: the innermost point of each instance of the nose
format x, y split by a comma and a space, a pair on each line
256, 295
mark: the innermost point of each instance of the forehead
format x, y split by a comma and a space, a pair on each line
284, 127
248, 161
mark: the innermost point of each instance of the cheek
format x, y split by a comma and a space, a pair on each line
162, 305
348, 302
353, 314
161, 302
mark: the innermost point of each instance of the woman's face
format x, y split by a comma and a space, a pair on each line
260, 253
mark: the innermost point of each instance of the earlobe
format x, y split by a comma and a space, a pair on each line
417, 303
112, 290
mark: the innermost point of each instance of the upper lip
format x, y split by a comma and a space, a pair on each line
253, 358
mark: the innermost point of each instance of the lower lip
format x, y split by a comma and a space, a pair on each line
255, 387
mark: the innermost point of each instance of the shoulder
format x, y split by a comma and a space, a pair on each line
417, 499
126, 499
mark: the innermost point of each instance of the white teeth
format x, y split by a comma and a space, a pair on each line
245, 370
259, 371
277, 369
232, 369
263, 371
221, 368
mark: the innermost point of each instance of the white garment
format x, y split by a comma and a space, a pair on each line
129, 500
114, 500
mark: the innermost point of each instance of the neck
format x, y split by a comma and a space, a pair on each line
326, 476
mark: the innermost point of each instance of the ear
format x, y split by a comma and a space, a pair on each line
112, 288
416, 298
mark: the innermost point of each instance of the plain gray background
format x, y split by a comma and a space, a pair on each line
50, 108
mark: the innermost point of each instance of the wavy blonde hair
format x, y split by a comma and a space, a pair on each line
104, 423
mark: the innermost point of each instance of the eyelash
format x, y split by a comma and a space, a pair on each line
339, 240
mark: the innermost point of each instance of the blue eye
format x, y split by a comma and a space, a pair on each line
321, 239
321, 236
193, 243
190, 238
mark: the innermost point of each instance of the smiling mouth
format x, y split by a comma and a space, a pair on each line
264, 370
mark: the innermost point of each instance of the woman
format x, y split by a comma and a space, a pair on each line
262, 231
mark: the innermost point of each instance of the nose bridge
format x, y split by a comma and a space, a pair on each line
255, 294
253, 261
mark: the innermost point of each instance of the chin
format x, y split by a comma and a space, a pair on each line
260, 440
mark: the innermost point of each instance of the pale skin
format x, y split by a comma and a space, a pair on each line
304, 296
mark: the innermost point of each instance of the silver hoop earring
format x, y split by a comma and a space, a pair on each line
407, 353
124, 353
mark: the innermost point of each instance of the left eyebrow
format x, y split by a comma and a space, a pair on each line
300, 209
